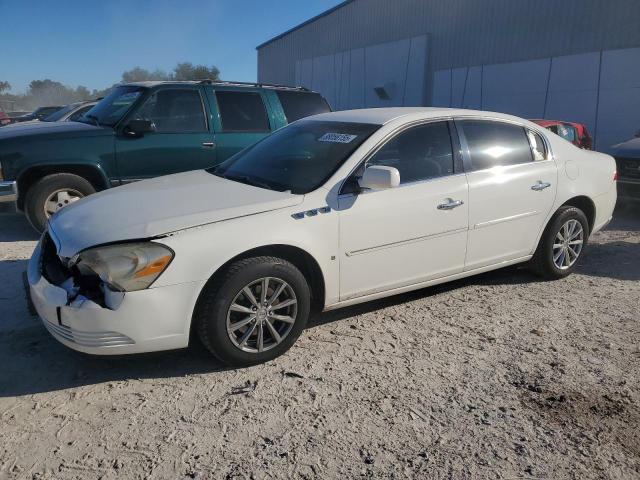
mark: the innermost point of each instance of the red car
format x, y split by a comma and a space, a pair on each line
4, 118
575, 133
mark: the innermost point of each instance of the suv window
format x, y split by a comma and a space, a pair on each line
494, 144
242, 112
297, 105
567, 132
174, 111
419, 153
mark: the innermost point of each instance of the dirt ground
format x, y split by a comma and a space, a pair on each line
497, 376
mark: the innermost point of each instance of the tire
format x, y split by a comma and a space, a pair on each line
213, 313
38, 194
544, 262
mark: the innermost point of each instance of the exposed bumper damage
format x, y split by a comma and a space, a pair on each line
86, 315
79, 291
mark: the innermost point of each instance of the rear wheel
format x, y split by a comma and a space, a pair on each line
562, 244
254, 311
52, 193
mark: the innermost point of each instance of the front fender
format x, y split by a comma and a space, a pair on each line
201, 251
54, 154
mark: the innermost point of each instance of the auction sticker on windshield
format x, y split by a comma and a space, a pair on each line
337, 138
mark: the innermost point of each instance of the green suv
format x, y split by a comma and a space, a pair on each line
141, 130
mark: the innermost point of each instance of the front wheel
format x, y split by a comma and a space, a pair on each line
254, 311
52, 193
562, 244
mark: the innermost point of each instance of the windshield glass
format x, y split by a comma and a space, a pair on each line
54, 117
113, 107
299, 157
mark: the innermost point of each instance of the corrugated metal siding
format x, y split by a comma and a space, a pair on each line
461, 32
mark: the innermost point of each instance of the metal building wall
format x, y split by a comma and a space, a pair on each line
572, 59
461, 32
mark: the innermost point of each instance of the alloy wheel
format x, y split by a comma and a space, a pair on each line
262, 314
568, 244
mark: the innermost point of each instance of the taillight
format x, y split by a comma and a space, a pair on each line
615, 176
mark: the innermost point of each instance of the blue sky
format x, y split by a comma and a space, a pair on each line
91, 42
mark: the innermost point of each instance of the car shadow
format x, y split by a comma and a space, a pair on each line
34, 362
626, 216
15, 228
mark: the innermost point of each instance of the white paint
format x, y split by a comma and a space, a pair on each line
370, 245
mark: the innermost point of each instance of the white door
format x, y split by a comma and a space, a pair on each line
412, 233
512, 187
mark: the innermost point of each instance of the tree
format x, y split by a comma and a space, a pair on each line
189, 71
138, 74
49, 92
46, 92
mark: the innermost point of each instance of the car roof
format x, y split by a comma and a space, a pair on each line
220, 83
548, 123
382, 116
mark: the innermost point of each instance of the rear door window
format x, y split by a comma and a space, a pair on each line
242, 112
494, 144
297, 105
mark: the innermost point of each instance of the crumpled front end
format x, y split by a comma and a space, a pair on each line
86, 315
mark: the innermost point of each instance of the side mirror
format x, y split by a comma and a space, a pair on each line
380, 178
137, 128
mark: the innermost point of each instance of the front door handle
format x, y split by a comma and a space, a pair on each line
450, 204
208, 144
540, 185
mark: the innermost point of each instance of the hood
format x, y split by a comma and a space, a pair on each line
158, 206
628, 149
54, 129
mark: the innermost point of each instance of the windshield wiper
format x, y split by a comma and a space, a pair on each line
246, 179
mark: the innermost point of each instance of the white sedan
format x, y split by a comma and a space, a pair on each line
333, 210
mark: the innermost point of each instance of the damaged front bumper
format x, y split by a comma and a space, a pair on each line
115, 323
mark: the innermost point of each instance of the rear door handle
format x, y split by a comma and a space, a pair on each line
540, 185
450, 204
208, 144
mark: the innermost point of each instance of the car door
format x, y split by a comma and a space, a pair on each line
182, 139
242, 118
409, 234
512, 187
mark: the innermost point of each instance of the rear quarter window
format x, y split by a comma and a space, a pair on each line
297, 105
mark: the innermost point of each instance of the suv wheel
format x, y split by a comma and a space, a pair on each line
52, 193
254, 311
562, 244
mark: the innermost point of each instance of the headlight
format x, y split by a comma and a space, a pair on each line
126, 267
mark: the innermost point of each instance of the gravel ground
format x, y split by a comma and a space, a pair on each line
497, 376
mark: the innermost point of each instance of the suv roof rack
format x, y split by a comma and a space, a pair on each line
252, 84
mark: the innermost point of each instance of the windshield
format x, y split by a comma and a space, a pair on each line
44, 112
299, 157
54, 117
114, 106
